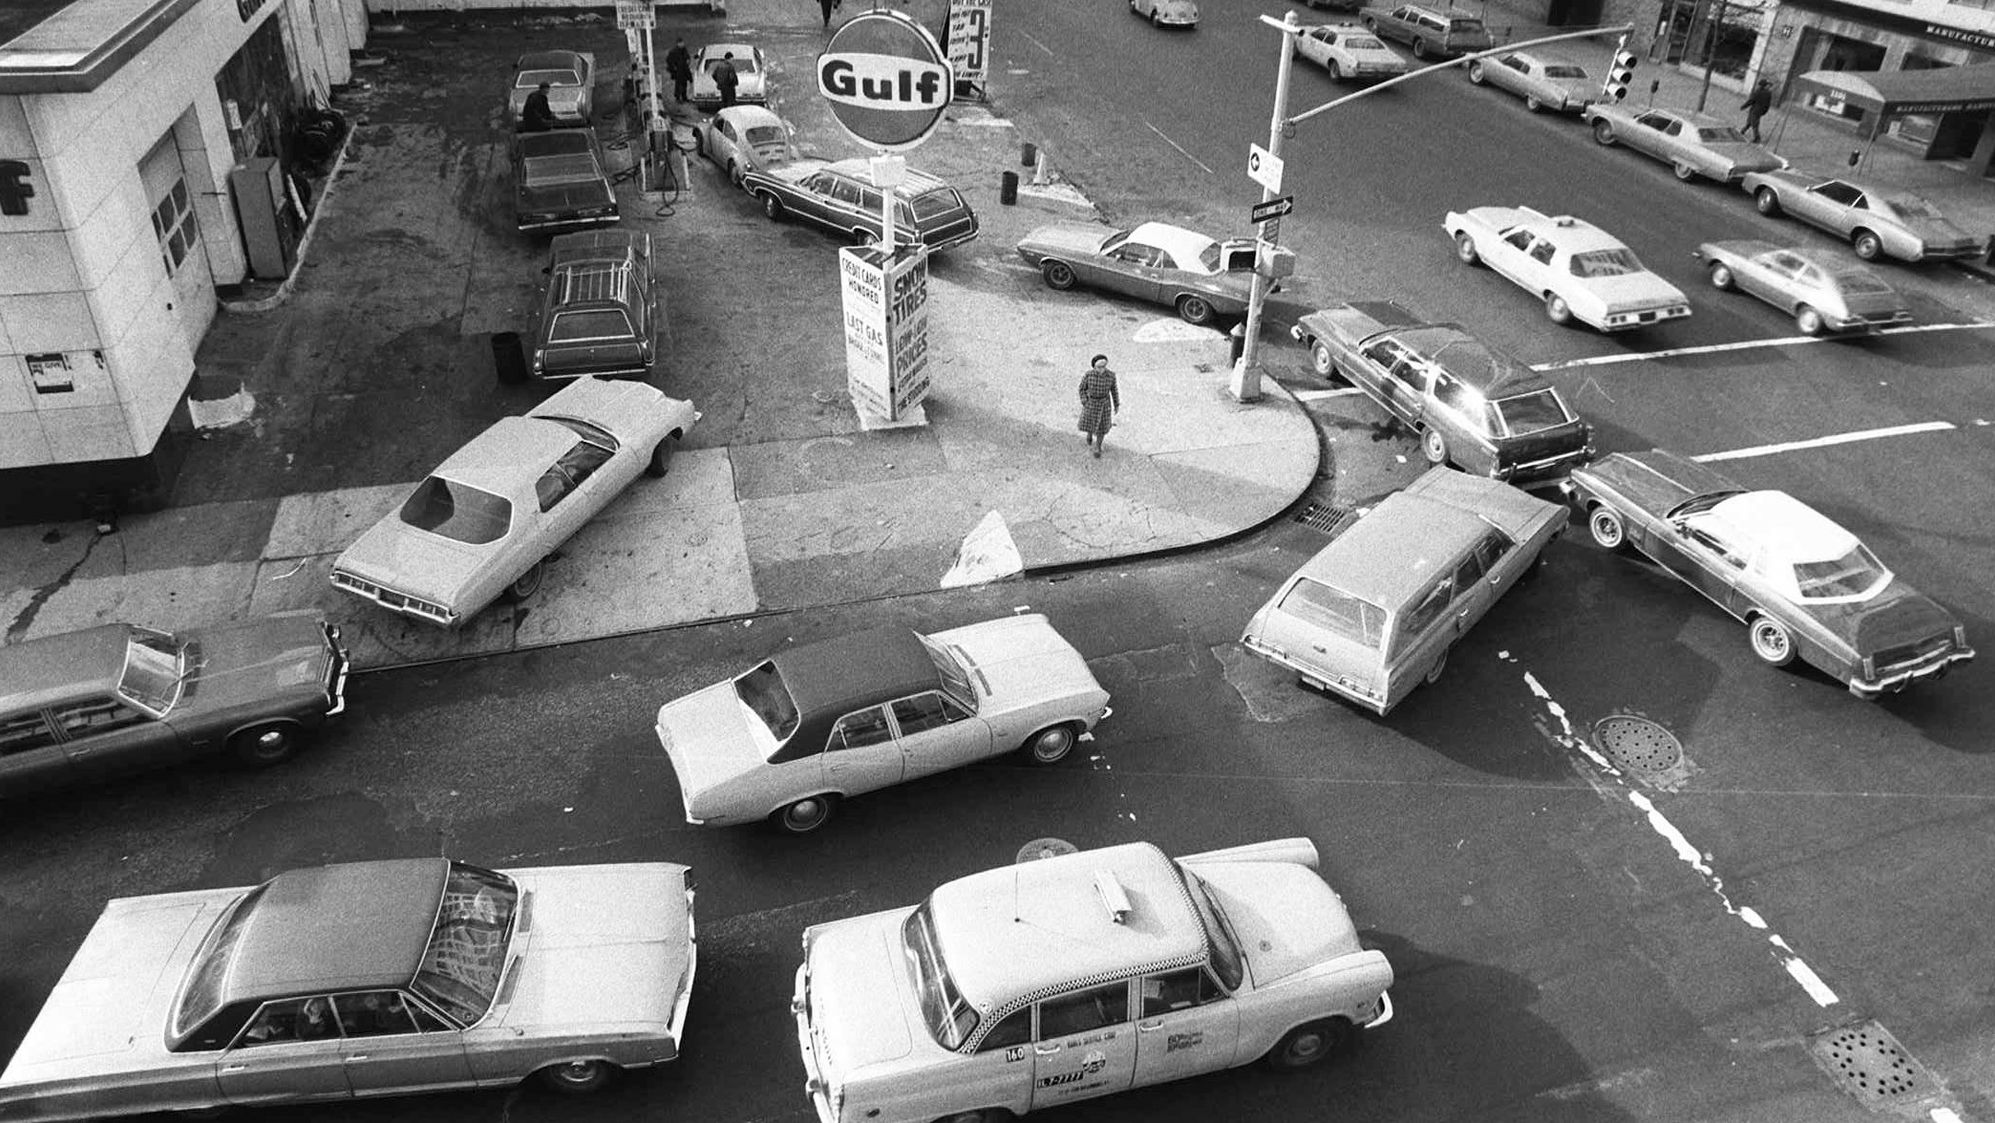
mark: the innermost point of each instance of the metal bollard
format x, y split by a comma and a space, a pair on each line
1008, 188
1027, 153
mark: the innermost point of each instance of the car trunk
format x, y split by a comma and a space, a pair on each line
595, 356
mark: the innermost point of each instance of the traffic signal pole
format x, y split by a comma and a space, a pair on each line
1246, 381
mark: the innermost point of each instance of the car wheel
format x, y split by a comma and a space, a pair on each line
1312, 1044
1603, 133
1465, 249
1371, 23
661, 458
1434, 447
1771, 641
1533, 105
1684, 171
734, 173
1433, 674
1557, 309
807, 814
980, 1115
1336, 72
863, 238
1322, 360
1058, 275
700, 144
1721, 276
1194, 309
1475, 72
1808, 320
526, 584
1866, 244
772, 206
1050, 746
1608, 531
261, 746
1420, 48
577, 1077
1767, 200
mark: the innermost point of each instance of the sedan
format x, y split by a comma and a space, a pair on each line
1878, 221
570, 78
1350, 51
750, 69
745, 138
1542, 83
1820, 290
790, 737
119, 699
360, 980
482, 525
1156, 262
1803, 586
1692, 144
1579, 270
1166, 13
559, 182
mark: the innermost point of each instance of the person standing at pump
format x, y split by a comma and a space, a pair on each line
679, 67
725, 78
1756, 105
538, 115
1100, 402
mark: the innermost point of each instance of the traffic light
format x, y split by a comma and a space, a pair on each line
1619, 73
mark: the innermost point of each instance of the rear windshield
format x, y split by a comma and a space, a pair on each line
765, 134
940, 201
1465, 26
1861, 282
1340, 613
1564, 72
1606, 263
586, 327
458, 511
1531, 413
767, 696
1853, 574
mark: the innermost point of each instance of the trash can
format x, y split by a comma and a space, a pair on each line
1028, 155
508, 358
1008, 188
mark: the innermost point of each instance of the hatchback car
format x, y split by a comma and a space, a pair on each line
745, 138
1432, 32
1877, 220
1579, 270
1473, 407
1692, 144
1203, 279
559, 182
119, 699
812, 725
570, 78
841, 198
360, 980
1375, 613
483, 524
751, 72
1166, 13
1804, 587
1083, 975
1350, 51
599, 314
1821, 291
1542, 83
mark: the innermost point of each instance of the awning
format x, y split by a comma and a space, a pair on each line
1889, 93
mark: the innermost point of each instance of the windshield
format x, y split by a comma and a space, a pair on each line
466, 956
1335, 611
458, 512
950, 1019
955, 675
1226, 960
1531, 413
151, 678
1855, 282
768, 697
202, 997
1606, 263
1852, 575
594, 434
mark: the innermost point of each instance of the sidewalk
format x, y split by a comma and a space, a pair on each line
378, 364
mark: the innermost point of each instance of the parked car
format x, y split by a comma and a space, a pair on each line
118, 699
745, 138
1079, 976
483, 523
1156, 262
1804, 586
1166, 13
1692, 144
1375, 613
559, 182
1473, 407
1820, 290
1579, 270
571, 81
812, 725
359, 980
1543, 83
1878, 221
1432, 32
599, 314
750, 69
841, 198
1350, 51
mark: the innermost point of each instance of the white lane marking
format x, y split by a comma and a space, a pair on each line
1690, 855
1316, 395
1038, 44
1745, 345
1832, 439
1179, 147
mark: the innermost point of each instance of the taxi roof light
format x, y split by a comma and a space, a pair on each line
1112, 897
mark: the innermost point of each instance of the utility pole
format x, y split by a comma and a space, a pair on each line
1246, 381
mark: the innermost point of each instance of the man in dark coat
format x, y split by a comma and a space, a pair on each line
1756, 105
538, 116
725, 78
679, 67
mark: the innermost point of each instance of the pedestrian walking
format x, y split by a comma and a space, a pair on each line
827, 5
725, 78
538, 115
1100, 402
679, 67
1756, 105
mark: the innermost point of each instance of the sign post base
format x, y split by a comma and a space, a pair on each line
913, 417
1245, 383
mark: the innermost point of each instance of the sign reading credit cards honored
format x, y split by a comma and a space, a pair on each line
886, 329
887, 80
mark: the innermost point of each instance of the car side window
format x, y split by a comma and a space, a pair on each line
1083, 1010
1451, 393
1837, 191
1518, 238
570, 472
924, 712
374, 1013
1016, 1029
861, 728
25, 733
1468, 572
291, 1019
1433, 605
1515, 63
99, 715
1177, 990
1541, 251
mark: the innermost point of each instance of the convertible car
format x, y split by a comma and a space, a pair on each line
1822, 291
559, 182
360, 980
482, 525
1156, 262
1692, 144
1878, 221
1579, 270
1805, 587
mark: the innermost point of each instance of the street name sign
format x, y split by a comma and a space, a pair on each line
887, 80
1272, 209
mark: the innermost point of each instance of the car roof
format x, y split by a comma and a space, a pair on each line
751, 116
913, 182
834, 676
1389, 556
1788, 528
1018, 933
1574, 235
1492, 373
1184, 245
39, 672
494, 460
354, 926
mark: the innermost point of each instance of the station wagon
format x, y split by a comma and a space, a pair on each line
599, 314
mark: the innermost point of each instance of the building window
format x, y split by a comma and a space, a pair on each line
174, 224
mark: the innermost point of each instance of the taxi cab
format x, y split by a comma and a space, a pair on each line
1082, 975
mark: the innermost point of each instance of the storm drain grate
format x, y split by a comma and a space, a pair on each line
1330, 518
1870, 1064
1637, 744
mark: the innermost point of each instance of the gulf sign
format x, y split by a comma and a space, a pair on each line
887, 80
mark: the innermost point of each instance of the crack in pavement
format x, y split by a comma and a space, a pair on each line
17, 629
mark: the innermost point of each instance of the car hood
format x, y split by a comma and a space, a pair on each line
1021, 659
251, 663
1653, 481
707, 737
397, 556
609, 945
1286, 917
1897, 615
1066, 238
1634, 290
857, 1009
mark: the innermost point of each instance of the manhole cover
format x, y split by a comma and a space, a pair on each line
1330, 518
1637, 744
1870, 1064
1045, 848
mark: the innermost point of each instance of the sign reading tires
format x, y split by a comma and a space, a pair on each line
887, 80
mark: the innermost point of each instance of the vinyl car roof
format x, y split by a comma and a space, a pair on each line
831, 678
356, 926
38, 672
1391, 555
1789, 529
1184, 245
913, 183
1491, 373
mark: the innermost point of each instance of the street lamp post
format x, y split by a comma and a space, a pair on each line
1246, 382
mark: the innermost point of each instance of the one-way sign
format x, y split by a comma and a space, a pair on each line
1273, 208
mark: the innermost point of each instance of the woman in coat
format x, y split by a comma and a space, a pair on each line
1099, 402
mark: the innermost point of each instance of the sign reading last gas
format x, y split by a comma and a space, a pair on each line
886, 79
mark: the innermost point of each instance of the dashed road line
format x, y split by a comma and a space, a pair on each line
1038, 44
1832, 439
1180, 148
1743, 345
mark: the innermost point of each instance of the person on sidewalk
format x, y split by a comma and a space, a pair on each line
828, 6
1100, 401
538, 116
1756, 105
726, 79
679, 67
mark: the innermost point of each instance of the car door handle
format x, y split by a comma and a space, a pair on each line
1045, 1050
233, 1068
1146, 1027
356, 1057
1319, 649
